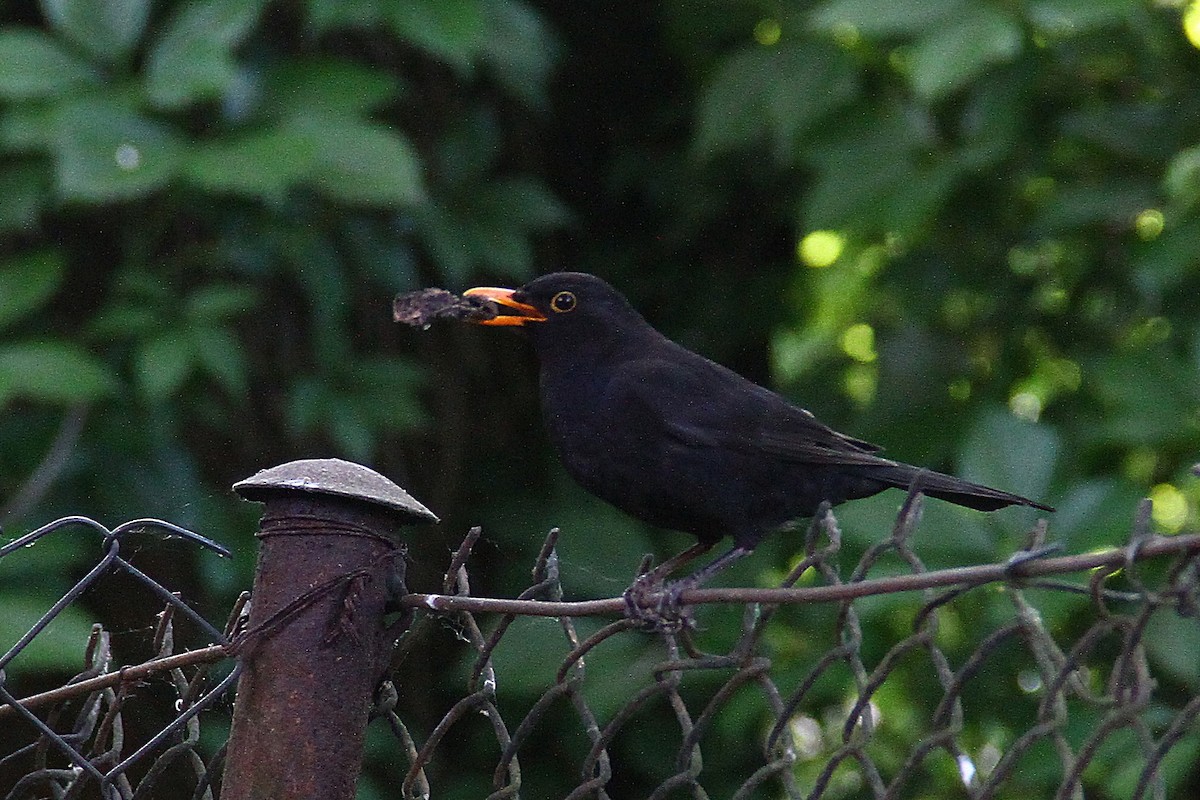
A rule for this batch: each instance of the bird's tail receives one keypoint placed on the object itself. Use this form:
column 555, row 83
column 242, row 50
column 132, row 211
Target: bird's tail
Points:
column 953, row 490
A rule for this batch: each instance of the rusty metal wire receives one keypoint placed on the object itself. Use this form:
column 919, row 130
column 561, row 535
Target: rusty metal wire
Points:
column 823, row 715
column 980, row 685
column 85, row 744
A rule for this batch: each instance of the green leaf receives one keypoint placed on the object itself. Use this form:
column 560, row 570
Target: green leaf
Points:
column 34, row 65
column 326, row 87
column 1112, row 202
column 450, row 30
column 386, row 388
column 1172, row 641
column 1077, row 16
column 365, row 164
column 53, row 372
column 25, row 187
column 193, row 60
column 28, row 281
column 884, row 17
column 523, row 203
column 105, row 151
column 1148, row 399
column 219, row 302
column 309, row 401
column 58, row 648
column 950, row 56
column 1182, row 179
column 870, row 179
column 163, row 364
column 327, row 15
column 1136, row 129
column 26, row 127
column 1092, row 512
column 220, row 355
column 351, row 433
column 443, row 235
column 123, row 321
column 773, row 94
column 1167, row 263
column 107, row 29
column 261, row 165
column 520, row 49
column 1011, row 454
column 490, row 227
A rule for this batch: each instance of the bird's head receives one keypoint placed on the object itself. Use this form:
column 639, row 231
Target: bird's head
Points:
column 565, row 306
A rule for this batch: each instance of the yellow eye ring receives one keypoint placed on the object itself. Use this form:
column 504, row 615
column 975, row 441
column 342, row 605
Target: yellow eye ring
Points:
column 563, row 302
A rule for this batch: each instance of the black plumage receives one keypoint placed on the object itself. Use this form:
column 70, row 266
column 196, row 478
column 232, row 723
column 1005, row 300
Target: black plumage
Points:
column 681, row 442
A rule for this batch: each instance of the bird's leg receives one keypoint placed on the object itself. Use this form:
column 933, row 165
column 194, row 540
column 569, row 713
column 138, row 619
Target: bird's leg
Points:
column 678, row 560
column 665, row 614
column 651, row 580
column 709, row 570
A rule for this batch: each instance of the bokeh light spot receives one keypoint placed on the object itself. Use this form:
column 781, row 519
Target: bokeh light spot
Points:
column 820, row 248
column 959, row 389
column 127, row 157
column 767, row 32
column 1029, row 681
column 846, row 35
column 859, row 383
column 1191, row 23
column 858, row 342
column 1170, row 507
column 1026, row 406
column 1149, row 224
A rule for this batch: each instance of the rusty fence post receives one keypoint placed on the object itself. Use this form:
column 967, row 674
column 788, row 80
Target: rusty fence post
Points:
column 329, row 560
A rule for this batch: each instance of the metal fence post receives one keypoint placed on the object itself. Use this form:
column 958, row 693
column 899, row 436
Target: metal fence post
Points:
column 328, row 562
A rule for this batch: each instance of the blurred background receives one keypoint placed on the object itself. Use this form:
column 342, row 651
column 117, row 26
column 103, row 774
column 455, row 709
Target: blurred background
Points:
column 967, row 230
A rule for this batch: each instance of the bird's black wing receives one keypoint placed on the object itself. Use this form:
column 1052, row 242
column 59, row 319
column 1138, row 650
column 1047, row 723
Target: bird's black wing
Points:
column 699, row 403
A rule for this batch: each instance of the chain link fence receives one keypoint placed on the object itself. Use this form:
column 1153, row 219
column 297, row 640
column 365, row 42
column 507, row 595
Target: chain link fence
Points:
column 90, row 736
column 794, row 701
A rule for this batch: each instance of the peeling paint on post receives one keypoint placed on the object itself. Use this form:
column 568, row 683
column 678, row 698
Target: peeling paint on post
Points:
column 329, row 561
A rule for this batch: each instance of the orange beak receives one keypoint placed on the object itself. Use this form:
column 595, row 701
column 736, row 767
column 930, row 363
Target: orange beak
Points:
column 504, row 297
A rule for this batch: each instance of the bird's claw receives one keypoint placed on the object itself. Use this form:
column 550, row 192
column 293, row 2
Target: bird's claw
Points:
column 1012, row 567
column 656, row 606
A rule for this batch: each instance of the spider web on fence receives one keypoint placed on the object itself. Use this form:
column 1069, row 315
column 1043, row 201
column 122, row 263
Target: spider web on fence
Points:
column 91, row 740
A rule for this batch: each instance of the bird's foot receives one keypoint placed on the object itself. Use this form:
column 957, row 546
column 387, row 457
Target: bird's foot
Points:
column 656, row 606
column 1014, row 567
column 1016, row 561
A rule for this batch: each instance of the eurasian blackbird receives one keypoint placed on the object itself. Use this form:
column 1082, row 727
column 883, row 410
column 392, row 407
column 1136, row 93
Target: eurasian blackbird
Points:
column 683, row 443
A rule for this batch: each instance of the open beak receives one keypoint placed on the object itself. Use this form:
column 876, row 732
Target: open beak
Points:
column 504, row 297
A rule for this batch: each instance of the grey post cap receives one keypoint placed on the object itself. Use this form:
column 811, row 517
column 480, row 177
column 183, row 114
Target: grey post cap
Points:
column 336, row 477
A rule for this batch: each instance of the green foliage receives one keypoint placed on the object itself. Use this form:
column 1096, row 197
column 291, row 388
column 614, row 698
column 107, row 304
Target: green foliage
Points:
column 773, row 95
column 28, row 281
column 452, row 31
column 193, row 59
column 57, row 649
column 107, row 29
column 52, row 372
column 33, row 65
column 206, row 205
column 104, row 150
column 960, row 49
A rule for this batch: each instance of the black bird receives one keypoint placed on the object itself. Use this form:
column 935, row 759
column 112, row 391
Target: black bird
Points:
column 683, row 443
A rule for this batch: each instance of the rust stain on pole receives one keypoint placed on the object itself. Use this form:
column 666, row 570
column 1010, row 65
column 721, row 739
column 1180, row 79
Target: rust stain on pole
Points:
column 328, row 563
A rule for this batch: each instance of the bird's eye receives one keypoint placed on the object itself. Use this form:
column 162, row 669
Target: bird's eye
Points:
column 563, row 301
